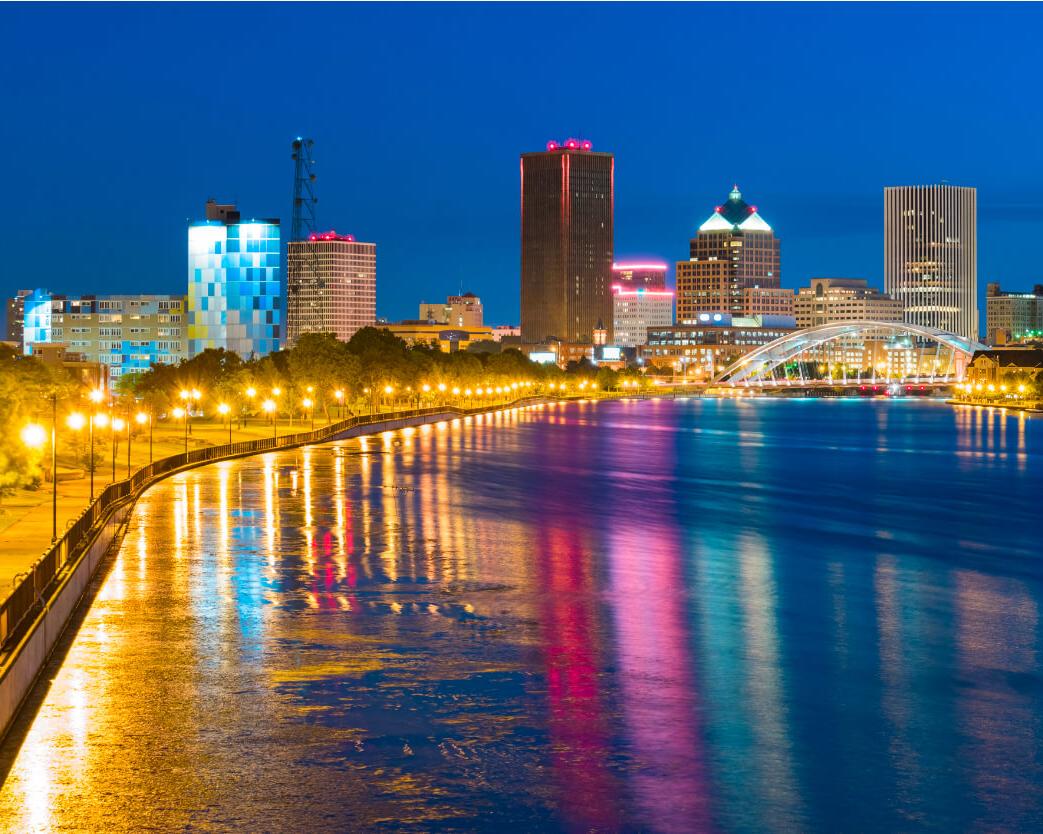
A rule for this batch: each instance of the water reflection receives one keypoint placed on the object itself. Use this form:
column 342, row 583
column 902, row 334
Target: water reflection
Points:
column 649, row 616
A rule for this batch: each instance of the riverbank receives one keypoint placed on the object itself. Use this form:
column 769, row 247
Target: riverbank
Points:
column 36, row 613
column 1027, row 407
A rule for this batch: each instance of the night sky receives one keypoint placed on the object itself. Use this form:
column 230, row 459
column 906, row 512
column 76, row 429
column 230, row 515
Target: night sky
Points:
column 117, row 123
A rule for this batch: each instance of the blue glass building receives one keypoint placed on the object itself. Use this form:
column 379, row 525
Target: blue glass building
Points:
column 234, row 290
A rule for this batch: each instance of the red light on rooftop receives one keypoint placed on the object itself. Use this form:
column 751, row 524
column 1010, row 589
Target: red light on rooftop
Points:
column 717, row 209
column 587, row 146
column 552, row 146
column 753, row 209
column 572, row 143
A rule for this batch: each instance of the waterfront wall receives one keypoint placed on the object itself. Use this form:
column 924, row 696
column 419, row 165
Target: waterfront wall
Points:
column 75, row 558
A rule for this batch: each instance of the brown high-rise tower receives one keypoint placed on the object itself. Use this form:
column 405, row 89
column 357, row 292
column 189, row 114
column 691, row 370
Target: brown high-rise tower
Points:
column 566, row 248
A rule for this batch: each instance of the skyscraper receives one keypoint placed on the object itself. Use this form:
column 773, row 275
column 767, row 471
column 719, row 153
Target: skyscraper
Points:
column 931, row 255
column 734, row 266
column 234, row 299
column 566, row 242
column 331, row 285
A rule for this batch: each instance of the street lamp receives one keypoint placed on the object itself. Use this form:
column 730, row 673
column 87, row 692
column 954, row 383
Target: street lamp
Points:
column 338, row 395
column 141, row 417
column 116, row 426
column 225, row 410
column 34, row 436
column 308, row 403
column 180, row 413
column 268, row 406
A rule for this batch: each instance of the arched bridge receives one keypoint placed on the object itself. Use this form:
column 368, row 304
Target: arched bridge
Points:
column 854, row 351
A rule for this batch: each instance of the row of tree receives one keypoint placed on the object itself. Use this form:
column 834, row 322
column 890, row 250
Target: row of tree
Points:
column 364, row 368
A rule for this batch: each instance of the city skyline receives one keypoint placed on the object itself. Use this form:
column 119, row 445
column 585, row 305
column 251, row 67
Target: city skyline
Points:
column 668, row 168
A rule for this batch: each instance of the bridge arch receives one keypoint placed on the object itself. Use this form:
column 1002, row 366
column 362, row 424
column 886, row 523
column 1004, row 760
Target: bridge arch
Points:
column 761, row 364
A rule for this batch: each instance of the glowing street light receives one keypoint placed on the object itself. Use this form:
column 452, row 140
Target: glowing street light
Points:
column 309, row 404
column 142, row 418
column 269, row 407
column 225, row 410
column 35, row 436
column 116, row 425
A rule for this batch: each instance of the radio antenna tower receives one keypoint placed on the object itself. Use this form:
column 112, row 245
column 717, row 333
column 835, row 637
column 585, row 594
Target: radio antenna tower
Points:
column 304, row 283
column 304, row 198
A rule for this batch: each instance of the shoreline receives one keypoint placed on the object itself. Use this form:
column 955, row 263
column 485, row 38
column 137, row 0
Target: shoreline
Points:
column 34, row 617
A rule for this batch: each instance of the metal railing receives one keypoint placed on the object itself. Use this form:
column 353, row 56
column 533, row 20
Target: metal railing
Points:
column 34, row 587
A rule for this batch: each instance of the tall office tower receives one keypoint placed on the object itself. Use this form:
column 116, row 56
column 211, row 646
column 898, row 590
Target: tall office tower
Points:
column 829, row 300
column 566, row 242
column 331, row 285
column 733, row 266
column 931, row 255
column 234, row 299
column 633, row 276
column 1013, row 316
column 15, row 316
column 458, row 311
column 126, row 333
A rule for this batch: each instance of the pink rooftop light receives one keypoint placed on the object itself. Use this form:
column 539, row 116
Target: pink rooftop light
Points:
column 571, row 144
column 330, row 235
column 619, row 267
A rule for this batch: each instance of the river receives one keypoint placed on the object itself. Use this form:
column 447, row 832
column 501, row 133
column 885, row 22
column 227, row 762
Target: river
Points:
column 731, row 615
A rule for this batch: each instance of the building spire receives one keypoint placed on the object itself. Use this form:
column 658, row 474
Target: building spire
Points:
column 735, row 193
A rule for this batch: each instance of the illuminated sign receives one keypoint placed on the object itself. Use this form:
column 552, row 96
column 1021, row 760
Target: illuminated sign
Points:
column 544, row 357
column 611, row 353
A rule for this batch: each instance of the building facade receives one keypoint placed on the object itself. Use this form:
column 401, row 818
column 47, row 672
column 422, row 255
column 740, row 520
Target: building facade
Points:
column 331, row 286
column 701, row 350
column 1013, row 316
column 458, row 311
column 566, row 241
column 508, row 332
column 635, row 309
column 828, row 300
column 650, row 276
column 234, row 291
column 931, row 255
column 734, row 266
column 126, row 333
column 15, row 309
column 445, row 337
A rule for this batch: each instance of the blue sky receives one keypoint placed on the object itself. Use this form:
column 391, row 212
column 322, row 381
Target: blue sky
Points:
column 118, row 121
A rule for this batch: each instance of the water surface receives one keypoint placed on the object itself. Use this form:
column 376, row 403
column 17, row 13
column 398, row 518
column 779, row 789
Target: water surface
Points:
column 659, row 616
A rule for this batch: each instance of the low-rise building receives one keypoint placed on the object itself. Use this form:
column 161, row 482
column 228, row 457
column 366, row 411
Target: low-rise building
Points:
column 703, row 349
column 830, row 300
column 635, row 309
column 445, row 337
column 458, row 311
column 127, row 333
column 1013, row 316
column 1005, row 365
column 510, row 332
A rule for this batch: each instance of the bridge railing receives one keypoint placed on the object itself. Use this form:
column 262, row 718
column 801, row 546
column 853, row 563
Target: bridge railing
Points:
column 33, row 587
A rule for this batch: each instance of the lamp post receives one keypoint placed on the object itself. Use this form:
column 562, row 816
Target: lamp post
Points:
column 309, row 404
column 128, row 446
column 180, row 413
column 226, row 411
column 269, row 408
column 141, row 417
column 250, row 392
column 34, row 436
column 117, row 426
column 339, row 396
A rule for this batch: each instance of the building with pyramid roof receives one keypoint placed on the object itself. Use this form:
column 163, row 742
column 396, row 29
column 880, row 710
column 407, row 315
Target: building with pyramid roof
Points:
column 733, row 266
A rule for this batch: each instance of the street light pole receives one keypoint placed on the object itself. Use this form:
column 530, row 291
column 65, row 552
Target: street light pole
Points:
column 90, row 432
column 54, row 466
